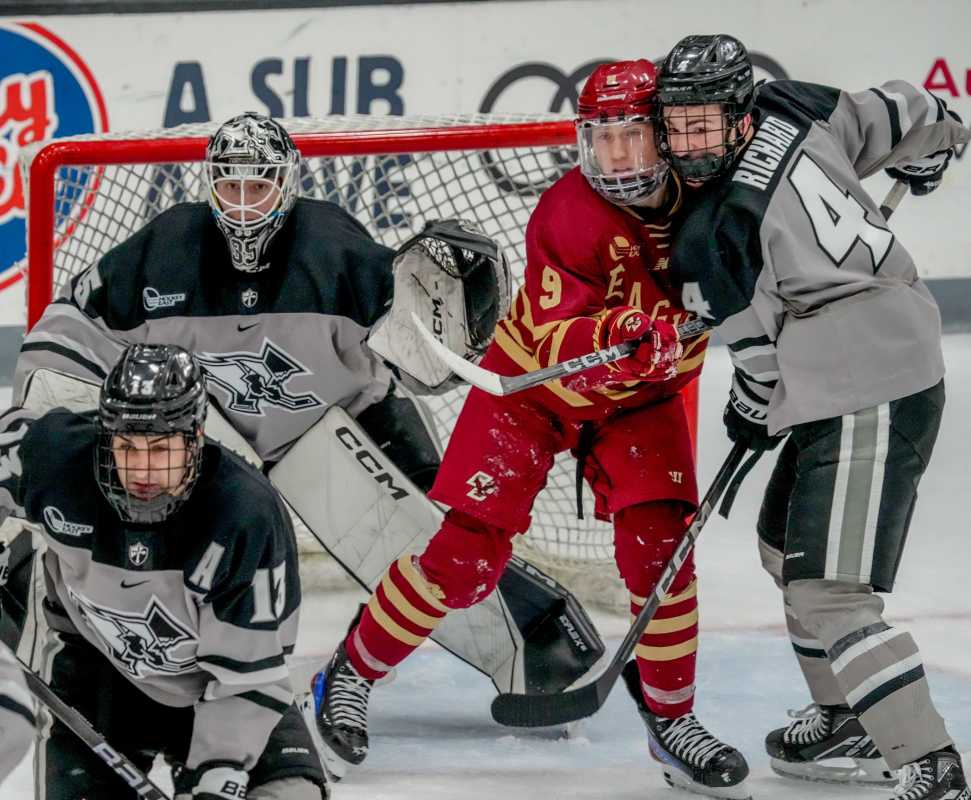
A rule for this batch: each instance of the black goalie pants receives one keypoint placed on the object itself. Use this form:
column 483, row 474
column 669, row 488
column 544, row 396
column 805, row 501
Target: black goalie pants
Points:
column 66, row 769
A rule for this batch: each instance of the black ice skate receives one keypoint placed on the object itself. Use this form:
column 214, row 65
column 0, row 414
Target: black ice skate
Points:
column 691, row 757
column 340, row 700
column 827, row 743
column 937, row 776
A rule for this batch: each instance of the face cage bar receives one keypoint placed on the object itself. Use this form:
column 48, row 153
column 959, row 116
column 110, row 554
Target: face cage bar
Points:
column 43, row 169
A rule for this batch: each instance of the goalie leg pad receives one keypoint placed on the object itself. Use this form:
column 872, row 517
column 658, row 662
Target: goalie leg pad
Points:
column 367, row 515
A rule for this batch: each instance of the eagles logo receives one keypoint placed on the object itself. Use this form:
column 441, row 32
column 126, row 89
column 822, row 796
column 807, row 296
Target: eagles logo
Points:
column 255, row 380
column 153, row 642
column 621, row 248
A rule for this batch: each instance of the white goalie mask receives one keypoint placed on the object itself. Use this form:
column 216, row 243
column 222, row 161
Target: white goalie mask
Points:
column 456, row 280
column 252, row 167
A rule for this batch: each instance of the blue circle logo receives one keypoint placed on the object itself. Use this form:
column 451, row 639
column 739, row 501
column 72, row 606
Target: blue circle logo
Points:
column 46, row 91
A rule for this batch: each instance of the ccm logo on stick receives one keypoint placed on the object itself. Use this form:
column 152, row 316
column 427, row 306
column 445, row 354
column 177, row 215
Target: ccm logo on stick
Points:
column 368, row 460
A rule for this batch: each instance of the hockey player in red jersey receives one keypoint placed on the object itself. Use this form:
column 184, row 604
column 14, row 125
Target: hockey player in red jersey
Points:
column 596, row 275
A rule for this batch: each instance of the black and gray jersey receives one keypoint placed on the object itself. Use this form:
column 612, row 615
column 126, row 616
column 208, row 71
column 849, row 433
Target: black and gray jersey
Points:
column 820, row 304
column 277, row 346
column 198, row 610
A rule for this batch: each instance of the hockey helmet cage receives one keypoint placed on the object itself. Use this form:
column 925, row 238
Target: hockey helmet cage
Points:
column 703, row 70
column 153, row 391
column 615, row 136
column 252, row 170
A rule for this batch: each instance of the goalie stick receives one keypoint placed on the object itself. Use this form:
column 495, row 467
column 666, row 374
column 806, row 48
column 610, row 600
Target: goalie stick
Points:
column 139, row 782
column 541, row 710
column 501, row 385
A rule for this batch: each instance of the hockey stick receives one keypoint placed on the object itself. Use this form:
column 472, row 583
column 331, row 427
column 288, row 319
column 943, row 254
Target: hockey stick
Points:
column 540, row 710
column 501, row 385
column 125, row 769
column 494, row 383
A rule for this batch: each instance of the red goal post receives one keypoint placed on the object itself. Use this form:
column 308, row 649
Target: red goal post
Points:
column 88, row 193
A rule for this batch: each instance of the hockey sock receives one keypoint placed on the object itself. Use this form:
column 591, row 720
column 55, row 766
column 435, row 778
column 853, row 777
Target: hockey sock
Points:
column 400, row 615
column 666, row 653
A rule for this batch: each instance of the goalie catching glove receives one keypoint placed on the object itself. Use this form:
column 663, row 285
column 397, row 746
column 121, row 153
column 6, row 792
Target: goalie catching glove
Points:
column 456, row 280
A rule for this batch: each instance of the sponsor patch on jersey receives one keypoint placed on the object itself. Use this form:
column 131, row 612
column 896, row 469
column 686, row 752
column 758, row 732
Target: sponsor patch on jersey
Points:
column 621, row 247
column 153, row 299
column 151, row 642
column 55, row 520
column 46, row 91
column 253, row 381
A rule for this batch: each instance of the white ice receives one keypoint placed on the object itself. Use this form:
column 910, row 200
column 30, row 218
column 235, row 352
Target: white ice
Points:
column 433, row 738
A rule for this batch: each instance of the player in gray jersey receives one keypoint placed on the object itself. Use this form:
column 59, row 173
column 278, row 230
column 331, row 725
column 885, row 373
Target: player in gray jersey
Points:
column 836, row 344
column 173, row 591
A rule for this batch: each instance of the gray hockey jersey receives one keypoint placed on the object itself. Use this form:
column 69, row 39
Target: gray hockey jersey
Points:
column 198, row 610
column 277, row 346
column 819, row 302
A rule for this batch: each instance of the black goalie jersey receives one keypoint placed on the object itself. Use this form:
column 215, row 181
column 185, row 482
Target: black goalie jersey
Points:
column 277, row 346
column 199, row 610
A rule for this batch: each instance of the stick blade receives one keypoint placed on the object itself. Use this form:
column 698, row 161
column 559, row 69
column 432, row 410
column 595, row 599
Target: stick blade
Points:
column 478, row 377
column 543, row 710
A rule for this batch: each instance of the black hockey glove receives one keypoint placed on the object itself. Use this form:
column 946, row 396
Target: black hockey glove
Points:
column 923, row 174
column 213, row 780
column 751, row 434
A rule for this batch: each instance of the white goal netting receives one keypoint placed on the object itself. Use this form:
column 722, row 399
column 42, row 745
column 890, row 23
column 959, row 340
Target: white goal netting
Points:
column 393, row 174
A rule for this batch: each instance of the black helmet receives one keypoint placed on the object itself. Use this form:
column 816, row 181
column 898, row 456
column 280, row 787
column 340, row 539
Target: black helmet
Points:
column 700, row 70
column 153, row 391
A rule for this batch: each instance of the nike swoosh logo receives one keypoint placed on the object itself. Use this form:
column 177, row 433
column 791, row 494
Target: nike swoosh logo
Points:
column 242, row 328
column 131, row 585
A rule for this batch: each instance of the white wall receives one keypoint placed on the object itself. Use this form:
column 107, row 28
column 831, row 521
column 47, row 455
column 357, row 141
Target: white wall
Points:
column 161, row 69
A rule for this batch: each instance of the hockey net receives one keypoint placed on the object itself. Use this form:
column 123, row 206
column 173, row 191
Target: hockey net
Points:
column 87, row 194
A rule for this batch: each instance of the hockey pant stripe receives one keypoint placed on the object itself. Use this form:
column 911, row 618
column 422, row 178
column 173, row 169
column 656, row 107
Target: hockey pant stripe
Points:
column 864, row 442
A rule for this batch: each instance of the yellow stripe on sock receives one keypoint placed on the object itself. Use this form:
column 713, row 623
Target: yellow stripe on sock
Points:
column 668, row 653
column 400, row 602
column 391, row 627
column 419, row 584
column 673, row 624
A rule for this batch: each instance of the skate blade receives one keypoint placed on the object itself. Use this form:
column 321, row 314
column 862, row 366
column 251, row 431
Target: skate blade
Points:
column 333, row 765
column 864, row 772
column 675, row 777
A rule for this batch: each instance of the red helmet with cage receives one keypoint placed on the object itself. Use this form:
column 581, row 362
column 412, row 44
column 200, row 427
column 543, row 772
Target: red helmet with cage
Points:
column 615, row 134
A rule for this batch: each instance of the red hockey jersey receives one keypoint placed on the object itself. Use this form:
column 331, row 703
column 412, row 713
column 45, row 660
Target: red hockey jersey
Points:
column 584, row 256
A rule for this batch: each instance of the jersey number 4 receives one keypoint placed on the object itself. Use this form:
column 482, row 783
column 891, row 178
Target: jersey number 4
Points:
column 838, row 218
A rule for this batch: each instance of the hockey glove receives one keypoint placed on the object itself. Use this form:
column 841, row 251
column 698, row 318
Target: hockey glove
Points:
column 923, row 174
column 657, row 356
column 753, row 435
column 214, row 780
column 4, row 563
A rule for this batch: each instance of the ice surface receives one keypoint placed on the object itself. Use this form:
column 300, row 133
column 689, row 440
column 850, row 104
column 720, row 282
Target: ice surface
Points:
column 432, row 737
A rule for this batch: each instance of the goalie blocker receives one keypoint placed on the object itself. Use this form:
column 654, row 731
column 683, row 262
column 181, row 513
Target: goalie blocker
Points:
column 531, row 636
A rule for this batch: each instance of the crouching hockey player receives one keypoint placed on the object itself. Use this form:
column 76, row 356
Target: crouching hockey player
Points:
column 596, row 275
column 173, row 592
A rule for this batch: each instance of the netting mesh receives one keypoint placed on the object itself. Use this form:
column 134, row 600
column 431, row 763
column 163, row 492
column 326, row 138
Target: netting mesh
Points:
column 392, row 194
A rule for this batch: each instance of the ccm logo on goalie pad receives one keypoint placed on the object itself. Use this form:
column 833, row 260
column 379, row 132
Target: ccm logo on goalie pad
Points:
column 369, row 461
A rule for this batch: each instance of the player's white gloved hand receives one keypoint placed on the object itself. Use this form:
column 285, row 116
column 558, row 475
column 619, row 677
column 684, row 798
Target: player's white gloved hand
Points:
column 212, row 781
column 923, row 175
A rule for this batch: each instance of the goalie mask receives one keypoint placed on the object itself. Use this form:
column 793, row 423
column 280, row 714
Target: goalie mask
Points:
column 615, row 132
column 150, row 420
column 252, row 170
column 456, row 280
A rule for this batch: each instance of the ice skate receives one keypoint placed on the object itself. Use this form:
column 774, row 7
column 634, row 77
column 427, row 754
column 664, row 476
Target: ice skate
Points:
column 691, row 757
column 827, row 743
column 339, row 703
column 936, row 776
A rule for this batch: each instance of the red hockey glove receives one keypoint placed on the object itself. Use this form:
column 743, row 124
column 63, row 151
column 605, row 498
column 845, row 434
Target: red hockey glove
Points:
column 657, row 357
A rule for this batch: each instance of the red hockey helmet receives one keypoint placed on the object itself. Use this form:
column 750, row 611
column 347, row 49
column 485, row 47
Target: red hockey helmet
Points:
column 615, row 133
